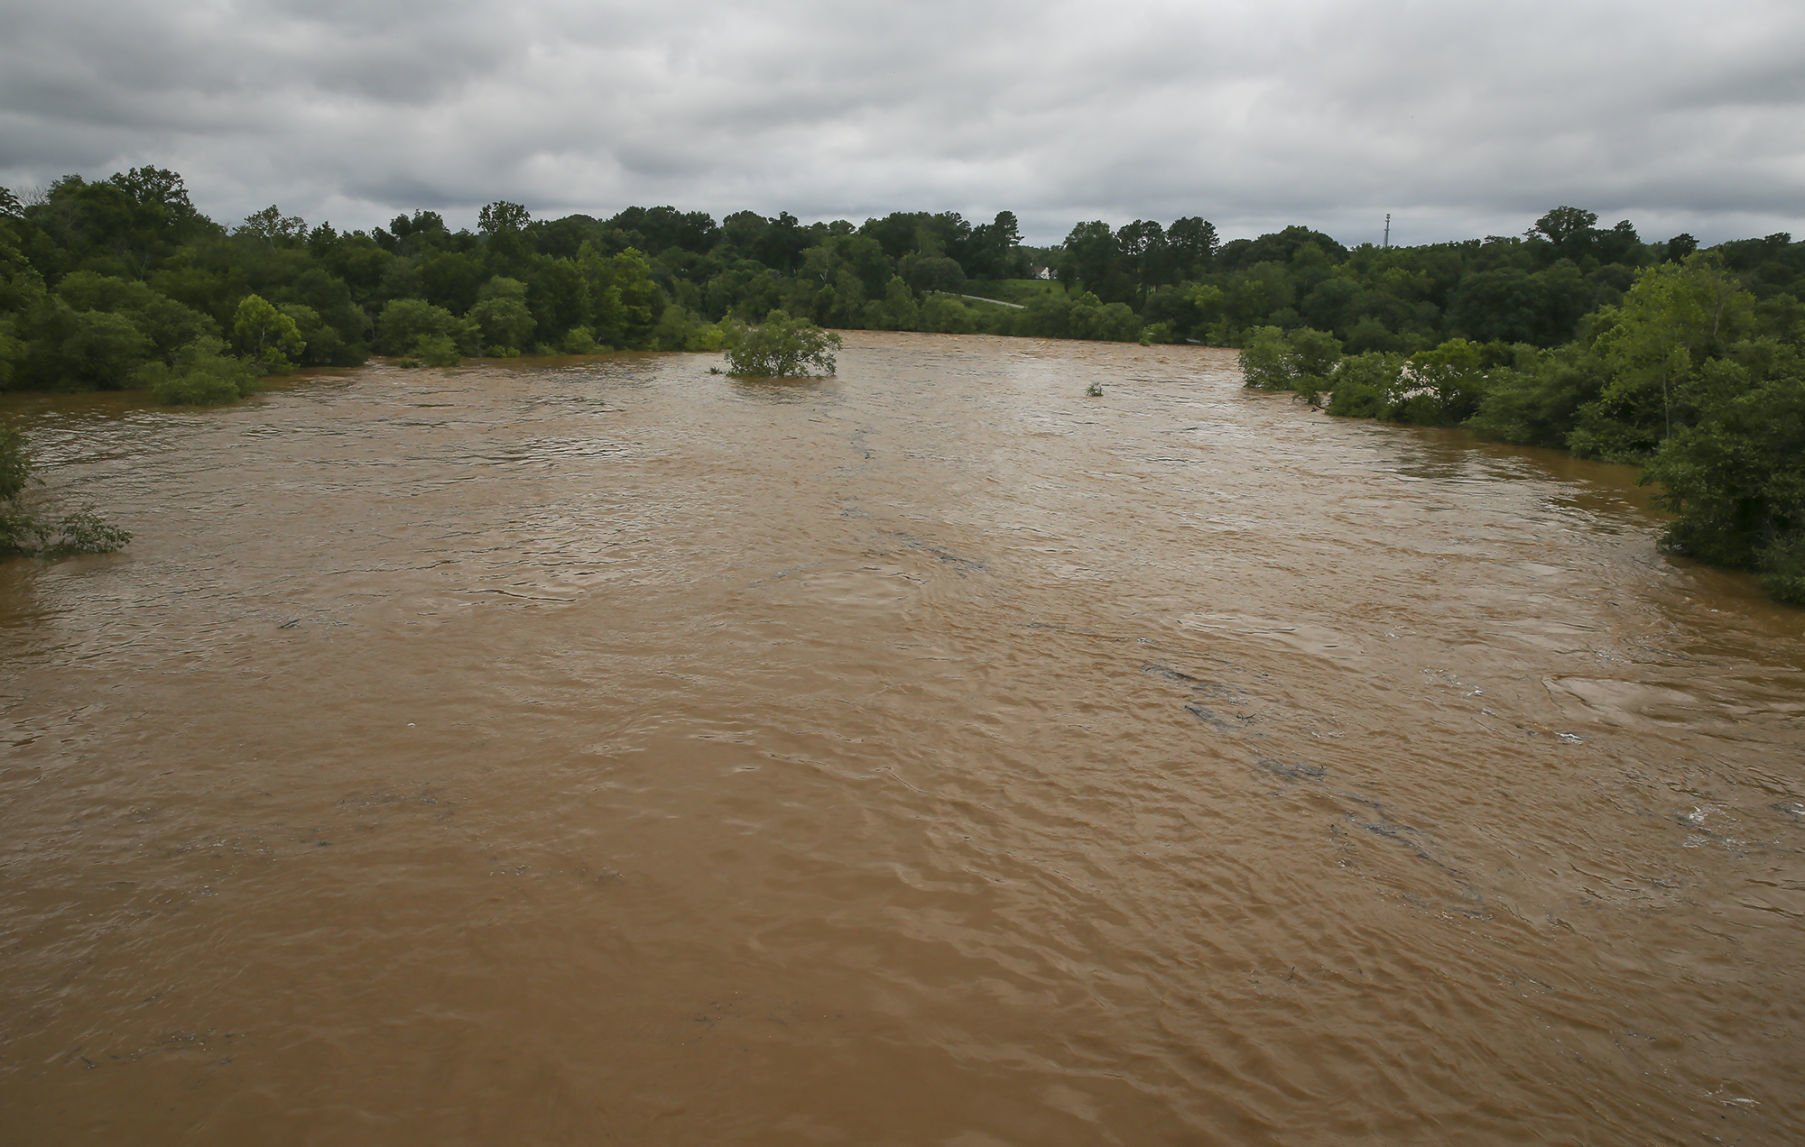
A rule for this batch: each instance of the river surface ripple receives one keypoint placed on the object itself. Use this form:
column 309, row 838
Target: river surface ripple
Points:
column 609, row 752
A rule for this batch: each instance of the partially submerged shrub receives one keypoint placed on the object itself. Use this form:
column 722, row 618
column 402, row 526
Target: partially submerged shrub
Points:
column 1782, row 567
column 433, row 350
column 781, row 347
column 1300, row 360
column 579, row 340
column 1362, row 382
column 23, row 532
column 202, row 375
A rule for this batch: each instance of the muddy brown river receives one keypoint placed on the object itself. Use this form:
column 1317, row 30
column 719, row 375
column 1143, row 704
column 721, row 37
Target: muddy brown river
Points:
column 609, row 752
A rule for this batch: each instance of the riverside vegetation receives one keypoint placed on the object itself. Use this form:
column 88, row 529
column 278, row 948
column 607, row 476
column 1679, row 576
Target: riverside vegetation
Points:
column 1690, row 374
column 1589, row 338
column 26, row 530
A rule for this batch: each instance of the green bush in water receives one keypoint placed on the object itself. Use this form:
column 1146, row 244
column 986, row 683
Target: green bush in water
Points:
column 23, row 532
column 433, row 350
column 202, row 375
column 781, row 347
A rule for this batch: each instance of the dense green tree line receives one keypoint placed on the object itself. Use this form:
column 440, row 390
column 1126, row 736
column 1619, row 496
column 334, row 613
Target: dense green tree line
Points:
column 121, row 282
column 1534, row 289
column 1571, row 335
column 1696, row 373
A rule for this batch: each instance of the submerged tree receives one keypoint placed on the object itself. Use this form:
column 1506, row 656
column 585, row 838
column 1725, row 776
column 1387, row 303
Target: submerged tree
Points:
column 1300, row 360
column 203, row 374
column 781, row 347
column 24, row 532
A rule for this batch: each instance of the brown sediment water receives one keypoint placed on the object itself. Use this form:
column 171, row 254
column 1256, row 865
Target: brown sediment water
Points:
column 610, row 752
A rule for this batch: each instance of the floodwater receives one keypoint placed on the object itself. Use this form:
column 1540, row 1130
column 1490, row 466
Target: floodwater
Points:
column 610, row 752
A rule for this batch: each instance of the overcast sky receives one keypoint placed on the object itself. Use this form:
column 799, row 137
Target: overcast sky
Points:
column 1460, row 119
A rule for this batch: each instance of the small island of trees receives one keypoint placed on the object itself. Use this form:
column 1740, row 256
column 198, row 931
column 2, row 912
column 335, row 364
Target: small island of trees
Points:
column 780, row 347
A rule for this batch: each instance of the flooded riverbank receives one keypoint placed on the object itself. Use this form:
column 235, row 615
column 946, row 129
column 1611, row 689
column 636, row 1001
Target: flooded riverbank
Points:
column 612, row 752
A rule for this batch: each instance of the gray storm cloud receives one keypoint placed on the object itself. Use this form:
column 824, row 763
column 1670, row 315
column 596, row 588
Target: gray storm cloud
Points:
column 1460, row 119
